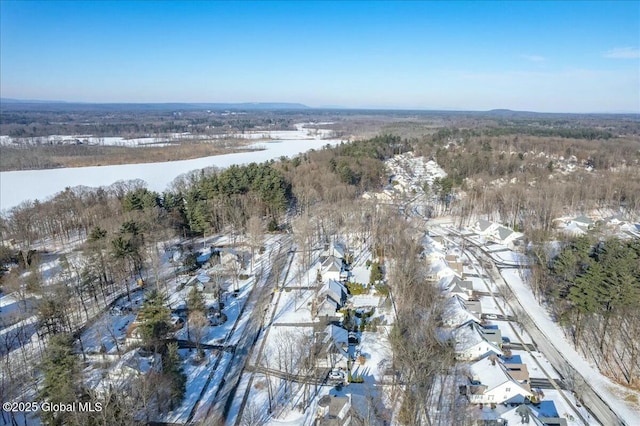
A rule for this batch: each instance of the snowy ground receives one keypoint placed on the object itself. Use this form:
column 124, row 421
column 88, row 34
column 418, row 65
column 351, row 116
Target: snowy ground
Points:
column 301, row 132
column 294, row 307
column 360, row 274
column 489, row 305
column 506, row 328
column 616, row 396
column 197, row 374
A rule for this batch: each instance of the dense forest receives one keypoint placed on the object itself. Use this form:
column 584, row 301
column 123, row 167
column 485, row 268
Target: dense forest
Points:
column 594, row 289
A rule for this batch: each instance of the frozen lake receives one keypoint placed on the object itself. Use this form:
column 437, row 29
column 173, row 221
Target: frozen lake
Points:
column 19, row 186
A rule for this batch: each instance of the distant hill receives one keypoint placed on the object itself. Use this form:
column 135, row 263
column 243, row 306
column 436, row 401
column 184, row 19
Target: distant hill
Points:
column 20, row 104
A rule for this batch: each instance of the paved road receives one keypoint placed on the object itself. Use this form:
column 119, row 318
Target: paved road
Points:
column 255, row 307
column 573, row 378
column 486, row 263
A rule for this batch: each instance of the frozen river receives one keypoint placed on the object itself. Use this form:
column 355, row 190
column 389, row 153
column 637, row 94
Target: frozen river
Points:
column 19, row 186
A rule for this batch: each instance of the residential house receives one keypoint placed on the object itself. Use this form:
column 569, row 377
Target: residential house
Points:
column 631, row 229
column 330, row 298
column 507, row 237
column 455, row 314
column 334, row 249
column 484, row 227
column 473, row 306
column 498, row 234
column 543, row 414
column 227, row 257
column 614, row 221
column 463, row 289
column 335, row 350
column 518, row 372
column 132, row 364
column 454, row 263
column 491, row 383
column 326, row 308
column 335, row 291
column 582, row 221
column 331, row 268
column 334, row 410
column 471, row 344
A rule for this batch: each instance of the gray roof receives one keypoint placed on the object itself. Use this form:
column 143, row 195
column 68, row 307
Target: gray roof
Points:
column 483, row 225
column 583, row 219
column 335, row 291
column 504, row 232
column 332, row 263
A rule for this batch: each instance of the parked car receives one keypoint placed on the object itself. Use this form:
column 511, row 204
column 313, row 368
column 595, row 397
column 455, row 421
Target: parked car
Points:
column 336, row 375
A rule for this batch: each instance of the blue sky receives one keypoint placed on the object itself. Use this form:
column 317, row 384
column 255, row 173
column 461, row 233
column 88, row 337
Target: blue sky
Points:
column 540, row 56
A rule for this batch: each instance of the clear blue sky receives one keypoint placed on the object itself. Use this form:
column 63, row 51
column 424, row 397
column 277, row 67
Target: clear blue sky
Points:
column 541, row 56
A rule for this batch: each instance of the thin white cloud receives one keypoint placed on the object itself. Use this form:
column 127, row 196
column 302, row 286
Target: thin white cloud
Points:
column 623, row 53
column 534, row 58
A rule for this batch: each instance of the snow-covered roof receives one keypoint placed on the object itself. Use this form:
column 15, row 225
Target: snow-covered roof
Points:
column 203, row 257
column 493, row 373
column 338, row 337
column 328, row 305
column 203, row 278
column 575, row 229
column 455, row 314
column 467, row 336
column 335, row 290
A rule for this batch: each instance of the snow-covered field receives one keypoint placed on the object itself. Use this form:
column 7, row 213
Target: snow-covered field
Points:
column 19, row 186
column 301, row 132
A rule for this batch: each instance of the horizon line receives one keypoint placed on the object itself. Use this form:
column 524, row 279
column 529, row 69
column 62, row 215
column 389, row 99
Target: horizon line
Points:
column 305, row 106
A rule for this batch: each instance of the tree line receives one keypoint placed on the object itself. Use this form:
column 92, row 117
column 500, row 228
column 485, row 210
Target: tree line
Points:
column 593, row 287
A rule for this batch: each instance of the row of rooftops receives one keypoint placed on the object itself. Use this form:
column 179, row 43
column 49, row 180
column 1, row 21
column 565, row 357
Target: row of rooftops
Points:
column 495, row 375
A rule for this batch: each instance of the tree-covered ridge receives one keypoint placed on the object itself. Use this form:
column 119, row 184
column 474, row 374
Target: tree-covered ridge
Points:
column 570, row 133
column 597, row 296
column 212, row 201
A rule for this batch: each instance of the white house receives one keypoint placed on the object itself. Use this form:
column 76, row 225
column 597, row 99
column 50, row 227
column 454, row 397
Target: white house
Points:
column 505, row 236
column 497, row 233
column 458, row 287
column 455, row 314
column 492, row 384
column 335, row 291
column 336, row 348
column 471, row 344
column 327, row 308
column 582, row 221
column 131, row 364
column 484, row 227
column 331, row 268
